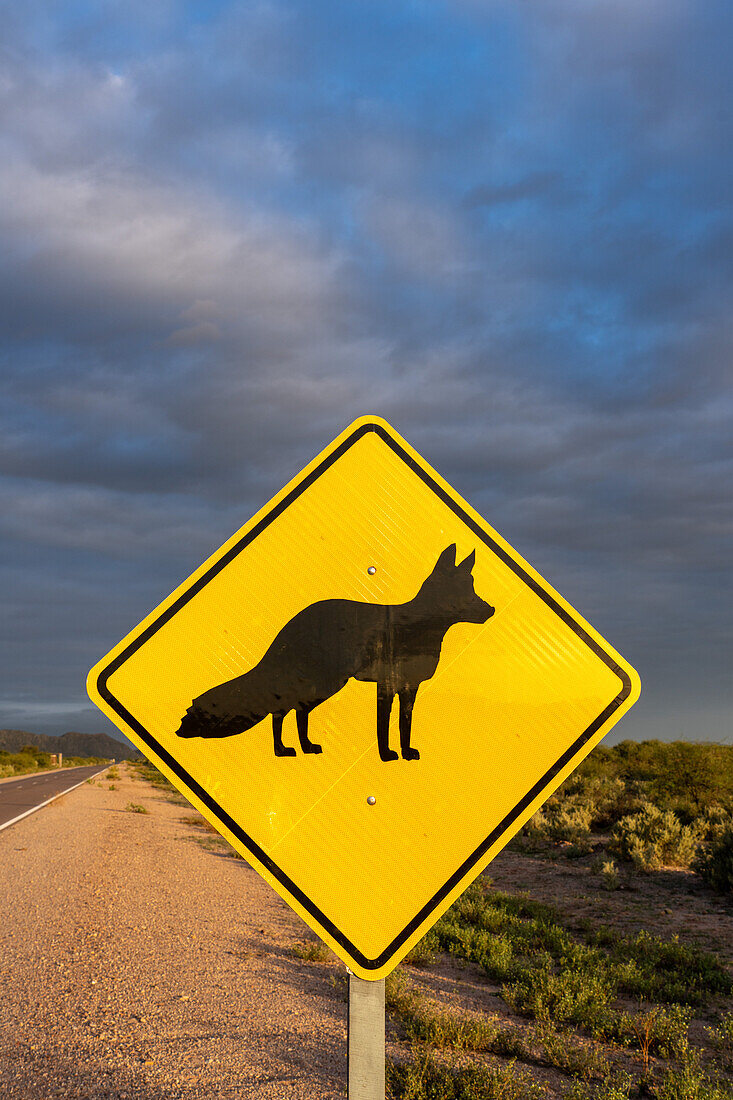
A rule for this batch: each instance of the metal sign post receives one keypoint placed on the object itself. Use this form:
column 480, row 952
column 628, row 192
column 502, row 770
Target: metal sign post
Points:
column 365, row 1039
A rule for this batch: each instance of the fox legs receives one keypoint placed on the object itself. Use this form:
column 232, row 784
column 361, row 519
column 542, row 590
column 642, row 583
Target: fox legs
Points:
column 277, row 733
column 306, row 745
column 385, row 698
column 407, row 702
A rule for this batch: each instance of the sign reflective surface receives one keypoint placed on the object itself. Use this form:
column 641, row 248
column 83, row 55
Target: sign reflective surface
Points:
column 367, row 691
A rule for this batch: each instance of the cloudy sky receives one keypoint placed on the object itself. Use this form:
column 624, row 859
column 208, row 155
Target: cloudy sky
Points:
column 228, row 228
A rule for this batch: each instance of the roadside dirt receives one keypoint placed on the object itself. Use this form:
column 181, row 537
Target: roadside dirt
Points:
column 665, row 903
column 141, row 961
column 137, row 963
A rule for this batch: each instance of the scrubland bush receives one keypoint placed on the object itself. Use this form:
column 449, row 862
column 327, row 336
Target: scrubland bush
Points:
column 690, row 1083
column 616, row 1086
column 686, row 776
column 424, row 951
column 722, row 1039
column 29, row 759
column 609, row 874
column 607, row 798
column 567, row 819
column 559, row 999
column 714, row 860
column 693, row 781
column 428, row 1078
column 654, row 838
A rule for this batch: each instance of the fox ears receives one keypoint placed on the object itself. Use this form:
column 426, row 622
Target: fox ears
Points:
column 447, row 560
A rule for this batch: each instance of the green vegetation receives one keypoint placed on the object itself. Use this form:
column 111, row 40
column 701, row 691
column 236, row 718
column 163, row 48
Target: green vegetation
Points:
column 581, row 1000
column 690, row 1082
column 722, row 1040
column 609, row 874
column 424, row 1077
column 424, row 1023
column 213, row 842
column 652, row 804
column 522, row 942
column 714, row 861
column 30, row 759
column 150, row 774
column 136, row 808
column 652, row 838
column 200, row 822
column 311, row 950
column 687, row 777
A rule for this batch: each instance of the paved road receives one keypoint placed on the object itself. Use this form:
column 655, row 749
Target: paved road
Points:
column 22, row 796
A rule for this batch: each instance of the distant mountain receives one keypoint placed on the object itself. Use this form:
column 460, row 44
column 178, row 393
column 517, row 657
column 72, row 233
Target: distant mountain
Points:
column 70, row 744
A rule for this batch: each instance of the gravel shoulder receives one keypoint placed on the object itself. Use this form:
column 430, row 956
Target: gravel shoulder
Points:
column 140, row 961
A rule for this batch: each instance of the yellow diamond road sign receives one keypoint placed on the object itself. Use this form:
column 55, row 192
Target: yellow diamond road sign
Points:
column 367, row 691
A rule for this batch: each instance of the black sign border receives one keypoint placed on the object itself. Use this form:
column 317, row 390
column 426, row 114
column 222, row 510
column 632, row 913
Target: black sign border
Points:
column 232, row 826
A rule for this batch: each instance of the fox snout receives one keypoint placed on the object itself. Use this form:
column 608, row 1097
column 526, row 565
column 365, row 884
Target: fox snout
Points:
column 481, row 610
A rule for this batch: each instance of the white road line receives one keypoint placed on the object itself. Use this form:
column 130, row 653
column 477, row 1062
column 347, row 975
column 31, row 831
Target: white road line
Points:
column 7, row 824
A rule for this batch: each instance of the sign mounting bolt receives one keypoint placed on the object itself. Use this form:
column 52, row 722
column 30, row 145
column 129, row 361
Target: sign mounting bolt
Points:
column 371, row 800
column 372, row 570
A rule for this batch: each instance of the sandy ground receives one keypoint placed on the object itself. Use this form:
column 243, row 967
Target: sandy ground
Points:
column 140, row 961
column 137, row 963
column 666, row 903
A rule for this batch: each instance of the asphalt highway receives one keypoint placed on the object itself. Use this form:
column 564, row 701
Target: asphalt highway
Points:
column 20, row 797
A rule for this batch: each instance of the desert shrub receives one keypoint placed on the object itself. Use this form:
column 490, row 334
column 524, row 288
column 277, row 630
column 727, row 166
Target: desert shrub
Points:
column 424, row 953
column 570, row 997
column 585, row 1061
column 311, row 950
column 487, row 949
column 609, row 798
column 660, row 1031
column 714, row 861
column 654, row 838
column 693, row 772
column 427, row 1078
column 616, row 1086
column 686, row 776
column 426, row 1023
column 666, row 970
column 136, row 808
column 721, row 1038
column 29, row 759
column 690, row 1083
column 42, row 759
column 486, row 928
column 562, row 819
column 609, row 874
column 150, row 774
column 82, row 761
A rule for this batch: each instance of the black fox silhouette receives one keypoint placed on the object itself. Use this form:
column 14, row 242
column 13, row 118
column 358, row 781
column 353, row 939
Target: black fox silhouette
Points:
column 397, row 646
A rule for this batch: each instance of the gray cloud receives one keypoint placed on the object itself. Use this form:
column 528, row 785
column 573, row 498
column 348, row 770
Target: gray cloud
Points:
column 508, row 233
